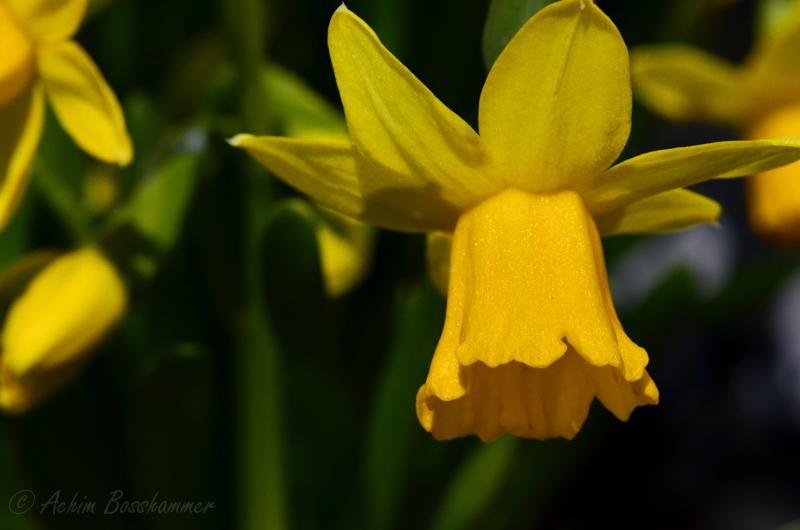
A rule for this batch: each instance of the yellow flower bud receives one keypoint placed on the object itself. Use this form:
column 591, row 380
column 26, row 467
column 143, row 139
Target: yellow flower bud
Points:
column 52, row 328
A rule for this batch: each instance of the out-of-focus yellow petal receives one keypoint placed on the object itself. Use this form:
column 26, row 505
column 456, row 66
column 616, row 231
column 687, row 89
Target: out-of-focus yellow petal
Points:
column 415, row 144
column 530, row 402
column 660, row 171
column 49, row 20
column 556, row 107
column 527, row 278
column 771, row 74
column 16, row 58
column 774, row 196
column 51, row 329
column 20, row 129
column 665, row 212
column 437, row 251
column 333, row 174
column 345, row 249
column 84, row 103
column 683, row 83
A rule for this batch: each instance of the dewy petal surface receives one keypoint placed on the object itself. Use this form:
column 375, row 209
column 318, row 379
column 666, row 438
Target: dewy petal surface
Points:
column 21, row 124
column 526, row 278
column 660, row 171
column 412, row 142
column 50, row 20
column 16, row 58
column 773, row 197
column 665, row 212
column 685, row 83
column 84, row 103
column 556, row 107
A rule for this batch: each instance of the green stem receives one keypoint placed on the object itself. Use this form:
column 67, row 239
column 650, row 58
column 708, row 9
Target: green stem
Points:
column 262, row 492
column 65, row 205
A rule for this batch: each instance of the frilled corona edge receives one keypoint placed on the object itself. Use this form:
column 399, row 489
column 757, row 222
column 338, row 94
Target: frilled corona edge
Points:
column 531, row 335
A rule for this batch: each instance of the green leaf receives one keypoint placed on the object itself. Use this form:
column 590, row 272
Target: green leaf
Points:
column 298, row 109
column 170, row 433
column 393, row 427
column 140, row 232
column 158, row 205
column 504, row 20
column 319, row 409
column 476, row 484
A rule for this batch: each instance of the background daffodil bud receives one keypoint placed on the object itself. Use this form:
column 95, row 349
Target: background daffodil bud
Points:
column 52, row 328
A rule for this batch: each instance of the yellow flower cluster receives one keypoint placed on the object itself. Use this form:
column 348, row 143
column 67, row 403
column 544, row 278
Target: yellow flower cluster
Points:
column 760, row 98
column 74, row 301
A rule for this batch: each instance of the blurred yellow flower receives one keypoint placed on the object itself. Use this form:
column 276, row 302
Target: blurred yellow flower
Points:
column 39, row 57
column 760, row 98
column 531, row 335
column 53, row 327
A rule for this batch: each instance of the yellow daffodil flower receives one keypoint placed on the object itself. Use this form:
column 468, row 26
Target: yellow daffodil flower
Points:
column 760, row 98
column 38, row 57
column 53, row 327
column 531, row 335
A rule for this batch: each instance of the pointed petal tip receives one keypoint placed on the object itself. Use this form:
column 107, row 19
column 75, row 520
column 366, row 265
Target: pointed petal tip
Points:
column 342, row 9
column 123, row 157
column 237, row 140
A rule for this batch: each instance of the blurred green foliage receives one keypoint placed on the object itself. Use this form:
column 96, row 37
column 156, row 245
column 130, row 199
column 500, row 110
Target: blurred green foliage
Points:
column 235, row 379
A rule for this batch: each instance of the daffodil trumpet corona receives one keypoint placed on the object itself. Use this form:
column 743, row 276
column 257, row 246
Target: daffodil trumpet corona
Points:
column 40, row 58
column 760, row 99
column 53, row 328
column 531, row 336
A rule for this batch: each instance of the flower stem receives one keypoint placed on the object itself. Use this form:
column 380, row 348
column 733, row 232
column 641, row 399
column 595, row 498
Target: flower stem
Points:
column 262, row 493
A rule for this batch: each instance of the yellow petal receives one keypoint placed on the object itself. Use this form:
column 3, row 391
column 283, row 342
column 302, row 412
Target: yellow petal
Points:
column 345, row 249
column 51, row 329
column 529, row 402
column 17, row 58
column 21, row 125
column 333, row 174
column 84, row 103
column 683, row 83
column 556, row 107
column 665, row 212
column 660, row 171
column 773, row 197
column 527, row 278
column 438, row 246
column 416, row 145
column 50, row 20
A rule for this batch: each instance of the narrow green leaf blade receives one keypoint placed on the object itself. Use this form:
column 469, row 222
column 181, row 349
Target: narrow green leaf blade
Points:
column 393, row 424
column 475, row 485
